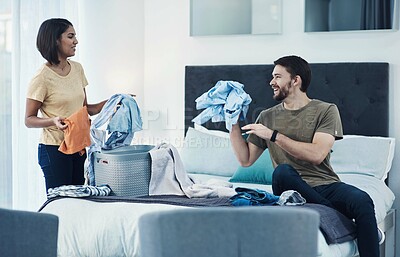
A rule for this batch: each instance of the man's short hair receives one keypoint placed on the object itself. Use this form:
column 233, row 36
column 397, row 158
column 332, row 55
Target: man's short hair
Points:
column 296, row 65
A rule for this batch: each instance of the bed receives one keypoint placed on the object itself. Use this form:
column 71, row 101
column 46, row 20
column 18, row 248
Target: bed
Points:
column 93, row 227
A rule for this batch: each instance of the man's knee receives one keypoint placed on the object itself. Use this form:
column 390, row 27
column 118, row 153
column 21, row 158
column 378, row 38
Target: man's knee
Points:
column 360, row 203
column 363, row 200
column 282, row 172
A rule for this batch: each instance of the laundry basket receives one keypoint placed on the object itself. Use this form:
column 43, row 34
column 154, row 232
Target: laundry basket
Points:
column 125, row 169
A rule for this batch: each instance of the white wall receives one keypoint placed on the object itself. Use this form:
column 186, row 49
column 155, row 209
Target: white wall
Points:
column 142, row 47
column 110, row 48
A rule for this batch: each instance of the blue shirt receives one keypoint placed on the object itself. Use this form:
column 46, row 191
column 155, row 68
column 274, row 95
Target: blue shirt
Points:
column 226, row 101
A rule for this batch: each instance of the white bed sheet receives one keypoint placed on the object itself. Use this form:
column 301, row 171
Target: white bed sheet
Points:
column 88, row 228
column 92, row 229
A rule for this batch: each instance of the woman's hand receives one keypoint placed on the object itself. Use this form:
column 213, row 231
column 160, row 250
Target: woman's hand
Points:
column 59, row 122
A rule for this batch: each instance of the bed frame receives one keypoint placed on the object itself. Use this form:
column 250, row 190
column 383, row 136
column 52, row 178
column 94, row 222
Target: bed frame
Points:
column 360, row 90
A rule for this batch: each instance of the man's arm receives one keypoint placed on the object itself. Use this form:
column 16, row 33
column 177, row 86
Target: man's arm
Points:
column 314, row 152
column 246, row 153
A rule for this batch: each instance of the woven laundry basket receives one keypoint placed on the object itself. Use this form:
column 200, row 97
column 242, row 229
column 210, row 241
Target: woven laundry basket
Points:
column 126, row 169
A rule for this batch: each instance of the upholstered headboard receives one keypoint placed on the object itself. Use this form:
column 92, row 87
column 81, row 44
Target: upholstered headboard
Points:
column 360, row 90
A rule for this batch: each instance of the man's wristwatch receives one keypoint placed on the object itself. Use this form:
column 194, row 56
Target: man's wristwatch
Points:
column 274, row 134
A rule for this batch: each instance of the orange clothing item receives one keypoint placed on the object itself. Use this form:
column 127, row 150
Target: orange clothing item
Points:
column 77, row 134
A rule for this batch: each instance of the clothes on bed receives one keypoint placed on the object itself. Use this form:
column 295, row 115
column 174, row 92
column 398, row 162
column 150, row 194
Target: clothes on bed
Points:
column 248, row 196
column 211, row 189
column 78, row 191
column 169, row 177
column 123, row 116
column 226, row 101
column 291, row 197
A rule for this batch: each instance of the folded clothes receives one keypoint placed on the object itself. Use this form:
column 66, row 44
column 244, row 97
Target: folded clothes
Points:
column 78, row 191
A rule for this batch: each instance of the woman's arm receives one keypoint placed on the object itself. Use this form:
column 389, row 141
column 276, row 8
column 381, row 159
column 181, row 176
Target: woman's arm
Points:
column 93, row 109
column 33, row 121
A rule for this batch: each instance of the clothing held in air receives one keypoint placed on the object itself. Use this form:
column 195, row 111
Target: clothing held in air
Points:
column 226, row 101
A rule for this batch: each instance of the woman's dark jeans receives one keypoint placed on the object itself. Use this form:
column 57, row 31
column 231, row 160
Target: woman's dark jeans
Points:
column 347, row 199
column 59, row 168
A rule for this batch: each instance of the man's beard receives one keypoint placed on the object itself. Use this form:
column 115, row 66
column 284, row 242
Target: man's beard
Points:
column 283, row 93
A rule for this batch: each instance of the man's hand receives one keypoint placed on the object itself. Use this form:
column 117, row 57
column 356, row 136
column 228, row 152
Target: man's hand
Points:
column 258, row 130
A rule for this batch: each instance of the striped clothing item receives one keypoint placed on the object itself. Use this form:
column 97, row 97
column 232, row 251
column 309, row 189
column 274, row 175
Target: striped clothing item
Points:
column 79, row 191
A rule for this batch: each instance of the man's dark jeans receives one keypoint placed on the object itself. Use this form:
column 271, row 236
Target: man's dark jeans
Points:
column 347, row 199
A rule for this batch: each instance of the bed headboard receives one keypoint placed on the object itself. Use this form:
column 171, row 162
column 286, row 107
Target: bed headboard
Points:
column 360, row 90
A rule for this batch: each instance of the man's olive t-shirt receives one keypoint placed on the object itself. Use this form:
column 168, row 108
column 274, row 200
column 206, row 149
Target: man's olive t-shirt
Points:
column 301, row 125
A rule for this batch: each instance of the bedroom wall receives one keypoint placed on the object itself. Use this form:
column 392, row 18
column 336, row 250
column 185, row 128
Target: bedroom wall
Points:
column 142, row 47
column 110, row 48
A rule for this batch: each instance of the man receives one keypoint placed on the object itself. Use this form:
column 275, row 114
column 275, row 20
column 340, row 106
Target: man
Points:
column 299, row 133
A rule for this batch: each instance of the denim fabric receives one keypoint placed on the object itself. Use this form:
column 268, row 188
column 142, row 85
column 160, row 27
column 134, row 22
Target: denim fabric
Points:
column 127, row 118
column 347, row 199
column 117, row 139
column 226, row 101
column 125, row 121
column 59, row 168
column 247, row 196
column 123, row 124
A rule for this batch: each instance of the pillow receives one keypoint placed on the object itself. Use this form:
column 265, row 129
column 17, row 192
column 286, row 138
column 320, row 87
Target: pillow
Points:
column 219, row 133
column 207, row 153
column 365, row 155
column 260, row 172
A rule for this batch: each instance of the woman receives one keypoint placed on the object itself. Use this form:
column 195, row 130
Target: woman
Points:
column 58, row 91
